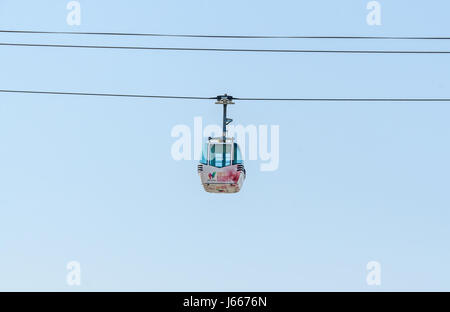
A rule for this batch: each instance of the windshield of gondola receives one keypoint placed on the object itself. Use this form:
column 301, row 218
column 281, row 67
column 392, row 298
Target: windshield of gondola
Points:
column 220, row 155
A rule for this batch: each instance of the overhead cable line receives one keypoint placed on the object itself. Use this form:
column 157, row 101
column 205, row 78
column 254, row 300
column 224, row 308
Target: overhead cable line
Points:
column 347, row 99
column 224, row 36
column 111, row 95
column 233, row 98
column 221, row 49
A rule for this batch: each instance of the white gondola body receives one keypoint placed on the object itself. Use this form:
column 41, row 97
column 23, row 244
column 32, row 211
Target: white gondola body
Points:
column 218, row 176
column 222, row 180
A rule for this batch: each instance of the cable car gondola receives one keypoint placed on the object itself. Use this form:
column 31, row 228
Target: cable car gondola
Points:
column 221, row 168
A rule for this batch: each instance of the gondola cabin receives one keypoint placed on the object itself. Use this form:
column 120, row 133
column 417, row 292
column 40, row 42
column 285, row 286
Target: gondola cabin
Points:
column 221, row 169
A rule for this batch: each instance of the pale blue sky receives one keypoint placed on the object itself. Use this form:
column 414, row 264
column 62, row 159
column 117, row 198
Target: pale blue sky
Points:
column 92, row 179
